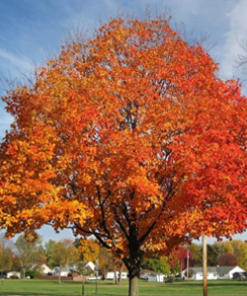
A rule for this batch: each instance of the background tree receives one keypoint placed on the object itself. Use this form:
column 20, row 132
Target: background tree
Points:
column 235, row 247
column 88, row 250
column 240, row 250
column 16, row 264
column 142, row 159
column 51, row 262
column 212, row 254
column 29, row 252
column 156, row 263
column 175, row 269
column 106, row 261
column 223, row 247
column 227, row 259
column 176, row 260
column 6, row 253
column 6, row 259
column 185, row 257
column 196, row 251
column 63, row 253
column 120, row 265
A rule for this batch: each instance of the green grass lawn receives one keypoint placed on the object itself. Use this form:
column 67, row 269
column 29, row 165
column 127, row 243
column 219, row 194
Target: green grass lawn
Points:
column 69, row 288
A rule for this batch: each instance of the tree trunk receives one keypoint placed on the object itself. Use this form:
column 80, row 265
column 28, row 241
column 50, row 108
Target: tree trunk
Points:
column 120, row 272
column 59, row 275
column 133, row 265
column 134, row 286
column 115, row 273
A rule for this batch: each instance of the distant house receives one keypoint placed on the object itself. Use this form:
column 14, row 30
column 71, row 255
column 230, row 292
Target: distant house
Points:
column 90, row 265
column 197, row 273
column 151, row 276
column 145, row 271
column 45, row 269
column 41, row 267
column 213, row 273
column 156, row 277
column 64, row 271
column 68, row 270
column 226, row 272
column 10, row 274
column 111, row 275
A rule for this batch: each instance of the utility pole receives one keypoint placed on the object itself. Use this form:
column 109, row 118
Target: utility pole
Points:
column 204, row 256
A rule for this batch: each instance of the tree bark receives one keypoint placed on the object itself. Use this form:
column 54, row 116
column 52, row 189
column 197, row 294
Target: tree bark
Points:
column 115, row 273
column 133, row 264
column 120, row 272
column 134, row 286
column 59, row 275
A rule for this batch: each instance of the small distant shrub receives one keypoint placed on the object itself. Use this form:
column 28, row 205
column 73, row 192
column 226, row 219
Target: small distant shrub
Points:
column 33, row 274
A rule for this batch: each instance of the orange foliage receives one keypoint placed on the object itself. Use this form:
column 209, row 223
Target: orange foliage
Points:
column 129, row 137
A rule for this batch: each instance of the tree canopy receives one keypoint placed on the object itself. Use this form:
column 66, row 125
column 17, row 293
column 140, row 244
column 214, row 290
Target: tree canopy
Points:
column 88, row 250
column 128, row 136
column 158, row 264
column 6, row 253
column 29, row 253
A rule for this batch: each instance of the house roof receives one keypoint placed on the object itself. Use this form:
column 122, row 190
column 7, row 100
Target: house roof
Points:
column 200, row 269
column 147, row 271
column 225, row 269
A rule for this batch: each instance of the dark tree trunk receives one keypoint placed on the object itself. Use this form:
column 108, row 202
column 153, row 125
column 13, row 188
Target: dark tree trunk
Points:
column 133, row 263
column 134, row 270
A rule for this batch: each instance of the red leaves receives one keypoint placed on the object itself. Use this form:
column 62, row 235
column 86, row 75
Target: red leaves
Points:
column 128, row 137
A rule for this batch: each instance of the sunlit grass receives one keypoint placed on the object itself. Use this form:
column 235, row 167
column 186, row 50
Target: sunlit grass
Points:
column 70, row 288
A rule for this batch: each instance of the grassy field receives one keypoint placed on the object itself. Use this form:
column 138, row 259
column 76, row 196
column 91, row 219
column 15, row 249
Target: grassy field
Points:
column 105, row 288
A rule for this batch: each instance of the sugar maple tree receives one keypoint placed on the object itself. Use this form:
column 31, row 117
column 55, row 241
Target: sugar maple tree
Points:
column 130, row 137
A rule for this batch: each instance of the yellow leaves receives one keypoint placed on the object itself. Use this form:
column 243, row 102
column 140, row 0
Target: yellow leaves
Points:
column 88, row 250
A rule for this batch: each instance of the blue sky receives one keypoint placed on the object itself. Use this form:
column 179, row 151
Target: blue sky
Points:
column 32, row 31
